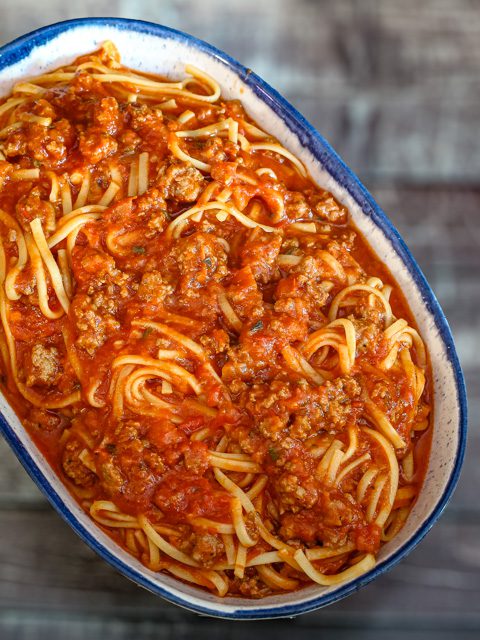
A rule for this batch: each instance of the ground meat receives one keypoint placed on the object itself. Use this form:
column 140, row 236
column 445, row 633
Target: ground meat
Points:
column 111, row 477
column 5, row 170
column 296, row 206
column 196, row 458
column 286, row 407
column 141, row 116
column 48, row 145
column 307, row 283
column 100, row 289
column 43, row 367
column 200, row 258
column 94, row 317
column 295, row 493
column 34, row 205
column 207, row 548
column 260, row 252
column 224, row 172
column 153, row 288
column 183, row 497
column 340, row 249
column 330, row 522
column 94, row 269
column 151, row 208
column 367, row 332
column 244, row 294
column 250, row 586
column 213, row 150
column 73, row 467
column 128, row 142
column 130, row 468
column 96, row 145
column 38, row 107
column 216, row 342
column 106, row 115
column 330, row 410
column 181, row 182
column 44, row 420
column 327, row 208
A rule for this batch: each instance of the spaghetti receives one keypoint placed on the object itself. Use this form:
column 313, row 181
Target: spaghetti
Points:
column 197, row 338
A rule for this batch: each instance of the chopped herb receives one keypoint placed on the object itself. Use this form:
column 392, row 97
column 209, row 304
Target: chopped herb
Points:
column 110, row 447
column 147, row 332
column 273, row 453
column 208, row 262
column 37, row 163
column 256, row 327
column 138, row 250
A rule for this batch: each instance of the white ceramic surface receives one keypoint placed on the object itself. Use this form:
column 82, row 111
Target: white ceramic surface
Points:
column 159, row 50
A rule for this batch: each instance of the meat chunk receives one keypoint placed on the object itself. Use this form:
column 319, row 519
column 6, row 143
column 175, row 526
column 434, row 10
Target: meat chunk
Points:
column 296, row 206
column 181, row 182
column 48, row 145
column 129, row 467
column 94, row 270
column 244, row 294
column 95, row 319
column 303, row 292
column 207, row 548
column 327, row 208
column 153, row 288
column 285, row 407
column 43, row 367
column 260, row 253
column 73, row 466
column 106, row 115
column 96, row 145
column 200, row 258
column 34, row 205
column 295, row 494
column 329, row 409
column 216, row 342
column 330, row 522
column 44, row 420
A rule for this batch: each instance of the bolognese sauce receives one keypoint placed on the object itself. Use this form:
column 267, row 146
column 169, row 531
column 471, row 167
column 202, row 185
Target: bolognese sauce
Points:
column 196, row 336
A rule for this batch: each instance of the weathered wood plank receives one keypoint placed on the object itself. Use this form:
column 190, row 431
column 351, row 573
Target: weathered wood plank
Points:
column 43, row 627
column 45, row 567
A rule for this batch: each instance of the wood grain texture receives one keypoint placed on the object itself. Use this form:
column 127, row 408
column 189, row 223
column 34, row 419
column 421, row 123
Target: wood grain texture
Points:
column 394, row 87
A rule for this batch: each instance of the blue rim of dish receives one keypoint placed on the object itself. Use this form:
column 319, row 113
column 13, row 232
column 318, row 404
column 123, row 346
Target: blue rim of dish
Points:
column 322, row 151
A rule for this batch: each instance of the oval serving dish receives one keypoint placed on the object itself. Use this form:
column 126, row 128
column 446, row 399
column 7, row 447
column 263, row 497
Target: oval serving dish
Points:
column 157, row 49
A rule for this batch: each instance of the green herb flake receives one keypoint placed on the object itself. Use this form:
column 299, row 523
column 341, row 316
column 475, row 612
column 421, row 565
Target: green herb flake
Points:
column 256, row 327
column 208, row 262
column 138, row 250
column 110, row 447
column 273, row 453
column 147, row 332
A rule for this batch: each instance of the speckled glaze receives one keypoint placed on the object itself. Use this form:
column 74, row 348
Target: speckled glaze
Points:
column 154, row 48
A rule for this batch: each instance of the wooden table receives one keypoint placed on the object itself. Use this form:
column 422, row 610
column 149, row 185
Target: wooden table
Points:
column 395, row 87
